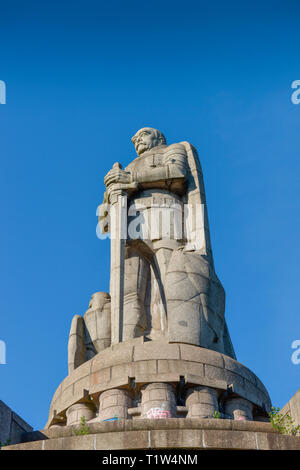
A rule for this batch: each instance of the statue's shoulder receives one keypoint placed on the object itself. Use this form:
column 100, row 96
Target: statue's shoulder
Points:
column 181, row 147
column 178, row 147
column 185, row 150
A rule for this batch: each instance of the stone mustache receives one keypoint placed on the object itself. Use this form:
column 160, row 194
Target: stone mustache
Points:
column 161, row 287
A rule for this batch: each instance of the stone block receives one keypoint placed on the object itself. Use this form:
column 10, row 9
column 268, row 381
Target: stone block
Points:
column 180, row 367
column 100, row 376
column 235, row 440
column 239, row 369
column 276, row 441
column 202, row 380
column 144, row 368
column 121, row 370
column 122, row 440
column 156, row 350
column 35, row 445
column 80, row 372
column 165, row 366
column 144, row 379
column 255, row 426
column 80, row 386
column 197, row 354
column 86, row 442
column 176, row 438
column 110, row 357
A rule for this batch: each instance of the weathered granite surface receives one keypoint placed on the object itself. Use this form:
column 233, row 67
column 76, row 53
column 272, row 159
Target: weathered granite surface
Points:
column 12, row 427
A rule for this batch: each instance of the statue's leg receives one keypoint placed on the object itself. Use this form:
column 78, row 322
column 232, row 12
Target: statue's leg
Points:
column 135, row 283
column 76, row 347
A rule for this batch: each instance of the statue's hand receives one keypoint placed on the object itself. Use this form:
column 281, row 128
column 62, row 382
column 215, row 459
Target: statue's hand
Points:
column 117, row 175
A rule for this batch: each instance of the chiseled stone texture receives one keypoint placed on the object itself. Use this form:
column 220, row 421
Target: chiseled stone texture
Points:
column 153, row 362
column 11, row 425
column 292, row 408
column 164, row 434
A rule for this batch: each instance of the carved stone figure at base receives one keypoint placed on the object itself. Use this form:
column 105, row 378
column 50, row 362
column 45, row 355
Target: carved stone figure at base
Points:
column 91, row 333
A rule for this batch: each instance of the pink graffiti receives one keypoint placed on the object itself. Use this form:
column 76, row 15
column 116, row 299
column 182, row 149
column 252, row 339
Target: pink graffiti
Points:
column 158, row 413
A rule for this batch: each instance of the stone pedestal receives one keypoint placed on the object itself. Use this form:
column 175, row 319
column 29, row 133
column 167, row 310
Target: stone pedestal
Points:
column 156, row 379
column 79, row 410
column 114, row 404
column 158, row 401
column 239, row 408
column 202, row 402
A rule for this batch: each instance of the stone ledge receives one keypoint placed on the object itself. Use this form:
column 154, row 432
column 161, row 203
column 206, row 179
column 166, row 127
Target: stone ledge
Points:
column 163, row 434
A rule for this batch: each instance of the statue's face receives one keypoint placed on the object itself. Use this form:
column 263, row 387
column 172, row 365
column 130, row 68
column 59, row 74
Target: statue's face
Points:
column 145, row 139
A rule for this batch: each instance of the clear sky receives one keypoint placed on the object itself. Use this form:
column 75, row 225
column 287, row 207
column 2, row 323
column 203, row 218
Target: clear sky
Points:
column 82, row 77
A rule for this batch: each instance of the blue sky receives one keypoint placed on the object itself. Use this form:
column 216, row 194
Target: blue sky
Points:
column 82, row 77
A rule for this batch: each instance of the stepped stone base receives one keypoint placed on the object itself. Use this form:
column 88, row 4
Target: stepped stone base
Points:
column 158, row 395
column 194, row 434
column 156, row 379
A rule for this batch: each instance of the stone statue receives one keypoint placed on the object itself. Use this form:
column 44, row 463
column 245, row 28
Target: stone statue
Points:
column 157, row 346
column 163, row 282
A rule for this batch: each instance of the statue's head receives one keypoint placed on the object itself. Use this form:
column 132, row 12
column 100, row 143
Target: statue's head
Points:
column 146, row 139
column 98, row 300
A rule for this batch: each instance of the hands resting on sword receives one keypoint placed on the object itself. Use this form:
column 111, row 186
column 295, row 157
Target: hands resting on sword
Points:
column 117, row 175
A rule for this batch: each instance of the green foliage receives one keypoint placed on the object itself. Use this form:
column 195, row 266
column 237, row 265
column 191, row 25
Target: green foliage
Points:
column 83, row 429
column 217, row 415
column 5, row 443
column 284, row 424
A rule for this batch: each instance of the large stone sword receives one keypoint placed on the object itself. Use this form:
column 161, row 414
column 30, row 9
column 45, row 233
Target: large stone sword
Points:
column 118, row 229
